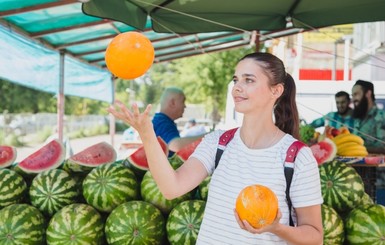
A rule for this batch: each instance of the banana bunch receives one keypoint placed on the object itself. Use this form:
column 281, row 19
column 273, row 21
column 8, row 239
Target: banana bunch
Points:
column 350, row 145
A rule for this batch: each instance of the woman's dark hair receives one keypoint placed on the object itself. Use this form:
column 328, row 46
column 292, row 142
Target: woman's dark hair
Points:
column 285, row 109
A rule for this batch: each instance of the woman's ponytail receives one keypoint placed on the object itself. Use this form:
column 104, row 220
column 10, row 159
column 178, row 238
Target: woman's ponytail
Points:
column 285, row 110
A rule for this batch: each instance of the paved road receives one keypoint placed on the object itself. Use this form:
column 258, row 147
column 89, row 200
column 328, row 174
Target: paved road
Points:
column 76, row 144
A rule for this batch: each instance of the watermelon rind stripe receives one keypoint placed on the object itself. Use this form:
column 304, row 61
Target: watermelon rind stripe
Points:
column 365, row 225
column 342, row 187
column 52, row 190
column 12, row 187
column 21, row 224
column 184, row 222
column 110, row 185
column 333, row 226
column 150, row 193
column 135, row 222
column 76, row 224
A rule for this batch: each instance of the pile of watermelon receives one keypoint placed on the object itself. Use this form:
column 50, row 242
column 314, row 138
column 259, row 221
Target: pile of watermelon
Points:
column 90, row 198
column 349, row 214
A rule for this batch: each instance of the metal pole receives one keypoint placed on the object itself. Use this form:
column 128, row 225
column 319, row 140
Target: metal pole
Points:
column 112, row 118
column 60, row 99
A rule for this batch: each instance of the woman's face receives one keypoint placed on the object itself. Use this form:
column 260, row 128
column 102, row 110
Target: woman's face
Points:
column 251, row 89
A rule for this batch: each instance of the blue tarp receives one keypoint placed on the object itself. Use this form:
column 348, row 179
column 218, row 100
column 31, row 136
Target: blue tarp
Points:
column 30, row 64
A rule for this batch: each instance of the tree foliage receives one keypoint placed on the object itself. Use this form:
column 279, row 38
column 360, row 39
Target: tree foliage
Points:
column 203, row 78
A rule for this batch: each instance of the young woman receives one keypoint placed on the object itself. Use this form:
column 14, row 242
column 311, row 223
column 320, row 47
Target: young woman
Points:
column 255, row 155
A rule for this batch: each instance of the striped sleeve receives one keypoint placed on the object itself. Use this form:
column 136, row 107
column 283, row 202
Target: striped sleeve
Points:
column 206, row 150
column 305, row 189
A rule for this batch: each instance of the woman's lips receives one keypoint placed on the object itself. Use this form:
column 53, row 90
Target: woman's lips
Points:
column 239, row 99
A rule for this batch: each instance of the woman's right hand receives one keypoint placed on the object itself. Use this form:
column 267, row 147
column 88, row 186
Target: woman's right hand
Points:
column 141, row 122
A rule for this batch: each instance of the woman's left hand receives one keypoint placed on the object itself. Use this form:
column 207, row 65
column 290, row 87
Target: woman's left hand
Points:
column 269, row 228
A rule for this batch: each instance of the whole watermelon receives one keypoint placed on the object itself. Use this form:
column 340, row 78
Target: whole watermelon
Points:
column 333, row 226
column 366, row 225
column 203, row 188
column 109, row 185
column 135, row 222
column 184, row 221
column 76, row 224
column 22, row 224
column 52, row 190
column 151, row 193
column 12, row 187
column 342, row 187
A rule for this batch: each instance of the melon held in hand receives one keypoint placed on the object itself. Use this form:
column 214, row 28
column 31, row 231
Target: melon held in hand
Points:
column 258, row 205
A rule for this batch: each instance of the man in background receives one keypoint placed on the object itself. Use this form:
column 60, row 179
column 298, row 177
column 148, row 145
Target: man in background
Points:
column 192, row 129
column 339, row 118
column 172, row 105
column 370, row 125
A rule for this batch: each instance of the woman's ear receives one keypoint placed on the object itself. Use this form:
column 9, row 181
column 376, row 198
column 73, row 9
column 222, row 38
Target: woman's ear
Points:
column 277, row 90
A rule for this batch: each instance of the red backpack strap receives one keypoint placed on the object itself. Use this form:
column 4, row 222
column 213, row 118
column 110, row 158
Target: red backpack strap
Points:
column 225, row 138
column 291, row 154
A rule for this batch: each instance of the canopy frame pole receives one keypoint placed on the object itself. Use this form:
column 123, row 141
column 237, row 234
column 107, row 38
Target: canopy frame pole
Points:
column 112, row 118
column 60, row 98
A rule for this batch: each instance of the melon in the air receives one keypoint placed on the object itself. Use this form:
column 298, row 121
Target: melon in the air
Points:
column 324, row 151
column 138, row 159
column 91, row 157
column 50, row 156
column 7, row 155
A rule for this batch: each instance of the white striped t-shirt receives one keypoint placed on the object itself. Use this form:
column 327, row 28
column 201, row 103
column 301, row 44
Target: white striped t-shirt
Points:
column 240, row 167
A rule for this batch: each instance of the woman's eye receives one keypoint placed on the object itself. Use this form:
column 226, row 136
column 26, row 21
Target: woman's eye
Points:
column 248, row 80
column 235, row 81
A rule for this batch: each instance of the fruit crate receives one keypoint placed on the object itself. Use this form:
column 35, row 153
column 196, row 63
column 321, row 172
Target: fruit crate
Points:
column 368, row 174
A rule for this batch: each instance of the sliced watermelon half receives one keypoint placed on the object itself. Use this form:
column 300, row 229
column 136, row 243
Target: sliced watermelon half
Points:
column 324, row 151
column 91, row 157
column 138, row 158
column 186, row 152
column 48, row 157
column 7, row 155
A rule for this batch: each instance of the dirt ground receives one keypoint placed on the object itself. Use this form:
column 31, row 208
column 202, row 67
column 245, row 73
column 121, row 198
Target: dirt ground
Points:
column 78, row 145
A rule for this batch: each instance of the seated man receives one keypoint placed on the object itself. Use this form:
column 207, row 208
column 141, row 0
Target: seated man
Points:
column 192, row 129
column 172, row 105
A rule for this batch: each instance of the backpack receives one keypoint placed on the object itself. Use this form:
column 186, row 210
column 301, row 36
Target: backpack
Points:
column 291, row 154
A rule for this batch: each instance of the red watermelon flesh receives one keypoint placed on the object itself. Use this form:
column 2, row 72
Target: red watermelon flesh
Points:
column 47, row 157
column 138, row 158
column 185, row 153
column 324, row 151
column 95, row 155
column 7, row 155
